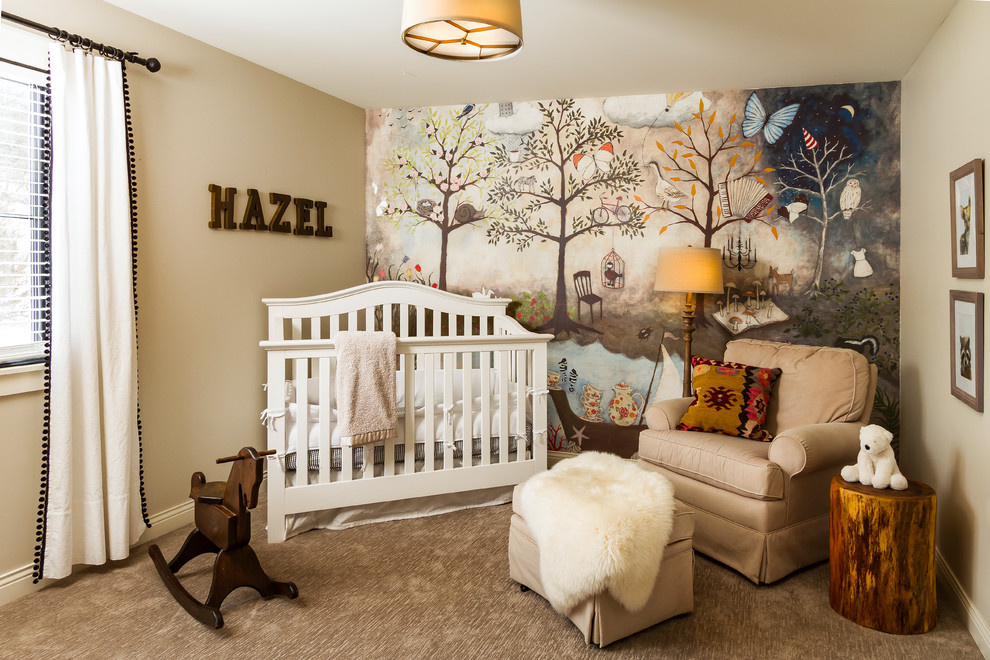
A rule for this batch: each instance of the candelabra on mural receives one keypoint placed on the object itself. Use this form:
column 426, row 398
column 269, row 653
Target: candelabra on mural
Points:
column 738, row 254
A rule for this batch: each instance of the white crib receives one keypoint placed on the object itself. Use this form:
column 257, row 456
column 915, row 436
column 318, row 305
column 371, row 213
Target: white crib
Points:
column 475, row 379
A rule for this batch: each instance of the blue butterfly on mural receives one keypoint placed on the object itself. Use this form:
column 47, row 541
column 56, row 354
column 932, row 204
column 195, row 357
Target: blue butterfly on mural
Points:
column 772, row 126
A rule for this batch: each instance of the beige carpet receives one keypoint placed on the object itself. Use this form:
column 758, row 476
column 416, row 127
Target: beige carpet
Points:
column 430, row 588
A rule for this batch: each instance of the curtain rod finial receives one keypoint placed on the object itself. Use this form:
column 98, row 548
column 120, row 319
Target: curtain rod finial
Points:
column 154, row 65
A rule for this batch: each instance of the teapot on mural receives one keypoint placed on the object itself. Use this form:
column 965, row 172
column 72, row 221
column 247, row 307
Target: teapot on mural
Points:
column 622, row 409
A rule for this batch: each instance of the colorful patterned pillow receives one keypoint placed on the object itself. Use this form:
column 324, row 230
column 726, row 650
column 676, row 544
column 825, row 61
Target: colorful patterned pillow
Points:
column 729, row 398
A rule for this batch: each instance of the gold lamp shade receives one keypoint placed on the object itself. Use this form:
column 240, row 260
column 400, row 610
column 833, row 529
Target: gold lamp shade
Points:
column 462, row 29
column 689, row 270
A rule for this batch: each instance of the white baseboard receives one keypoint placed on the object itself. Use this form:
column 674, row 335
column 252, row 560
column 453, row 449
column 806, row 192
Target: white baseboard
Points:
column 168, row 520
column 974, row 620
column 18, row 582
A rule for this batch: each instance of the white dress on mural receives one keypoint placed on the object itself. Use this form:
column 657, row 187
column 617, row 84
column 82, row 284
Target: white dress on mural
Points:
column 862, row 267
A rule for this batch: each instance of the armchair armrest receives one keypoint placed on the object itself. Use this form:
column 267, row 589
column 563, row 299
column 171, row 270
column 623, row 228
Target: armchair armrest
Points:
column 816, row 446
column 666, row 415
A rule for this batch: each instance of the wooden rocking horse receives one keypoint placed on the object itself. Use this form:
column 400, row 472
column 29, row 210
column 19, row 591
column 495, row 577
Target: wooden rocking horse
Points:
column 223, row 526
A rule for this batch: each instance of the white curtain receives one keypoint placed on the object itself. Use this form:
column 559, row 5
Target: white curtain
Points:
column 94, row 505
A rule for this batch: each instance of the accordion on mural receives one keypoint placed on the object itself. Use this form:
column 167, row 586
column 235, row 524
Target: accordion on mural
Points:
column 743, row 198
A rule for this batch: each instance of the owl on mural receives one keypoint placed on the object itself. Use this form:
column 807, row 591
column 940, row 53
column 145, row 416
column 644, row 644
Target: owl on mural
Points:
column 849, row 200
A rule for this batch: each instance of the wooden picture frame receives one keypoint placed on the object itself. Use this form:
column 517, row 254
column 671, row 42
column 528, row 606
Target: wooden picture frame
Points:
column 966, row 213
column 966, row 346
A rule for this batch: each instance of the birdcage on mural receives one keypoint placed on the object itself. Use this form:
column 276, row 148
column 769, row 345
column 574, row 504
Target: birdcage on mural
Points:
column 613, row 269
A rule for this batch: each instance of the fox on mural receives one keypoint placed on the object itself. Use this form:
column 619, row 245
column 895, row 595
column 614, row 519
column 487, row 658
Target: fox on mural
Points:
column 561, row 205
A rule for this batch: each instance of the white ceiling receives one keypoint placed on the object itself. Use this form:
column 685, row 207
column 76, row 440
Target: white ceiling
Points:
column 572, row 48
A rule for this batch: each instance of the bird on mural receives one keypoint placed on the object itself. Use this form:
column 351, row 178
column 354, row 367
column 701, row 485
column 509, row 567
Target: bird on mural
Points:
column 424, row 207
column 849, row 199
column 645, row 332
column 793, row 210
column 466, row 111
column 666, row 191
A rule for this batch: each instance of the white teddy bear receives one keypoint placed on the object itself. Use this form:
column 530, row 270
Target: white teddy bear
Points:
column 876, row 465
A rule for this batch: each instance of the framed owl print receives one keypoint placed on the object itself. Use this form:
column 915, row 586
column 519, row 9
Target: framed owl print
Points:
column 966, row 332
column 966, row 202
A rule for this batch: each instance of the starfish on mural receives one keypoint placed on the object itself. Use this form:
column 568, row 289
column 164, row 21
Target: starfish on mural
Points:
column 579, row 435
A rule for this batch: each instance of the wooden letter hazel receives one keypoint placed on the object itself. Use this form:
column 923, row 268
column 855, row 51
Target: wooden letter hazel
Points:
column 222, row 213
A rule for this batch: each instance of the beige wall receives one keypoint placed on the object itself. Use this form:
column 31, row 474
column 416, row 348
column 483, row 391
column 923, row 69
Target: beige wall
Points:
column 207, row 117
column 944, row 442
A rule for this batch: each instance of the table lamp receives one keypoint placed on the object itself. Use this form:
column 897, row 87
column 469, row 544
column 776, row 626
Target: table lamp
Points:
column 690, row 271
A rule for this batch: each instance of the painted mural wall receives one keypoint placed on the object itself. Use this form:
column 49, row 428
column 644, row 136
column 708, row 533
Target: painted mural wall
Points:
column 562, row 205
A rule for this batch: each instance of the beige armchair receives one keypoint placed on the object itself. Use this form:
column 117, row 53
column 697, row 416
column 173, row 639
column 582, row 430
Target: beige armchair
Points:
column 762, row 507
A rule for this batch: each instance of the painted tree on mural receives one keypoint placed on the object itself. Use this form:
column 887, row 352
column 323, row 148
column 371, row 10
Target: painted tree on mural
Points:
column 569, row 161
column 434, row 182
column 706, row 167
column 823, row 172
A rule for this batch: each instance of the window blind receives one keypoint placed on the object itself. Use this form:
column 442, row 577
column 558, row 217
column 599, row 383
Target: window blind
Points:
column 25, row 153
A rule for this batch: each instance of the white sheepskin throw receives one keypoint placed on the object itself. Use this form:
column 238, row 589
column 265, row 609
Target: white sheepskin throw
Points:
column 601, row 523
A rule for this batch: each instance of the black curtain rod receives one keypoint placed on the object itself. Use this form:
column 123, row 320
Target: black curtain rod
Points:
column 77, row 41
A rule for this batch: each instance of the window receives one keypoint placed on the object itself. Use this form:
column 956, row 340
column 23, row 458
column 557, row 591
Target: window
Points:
column 24, row 166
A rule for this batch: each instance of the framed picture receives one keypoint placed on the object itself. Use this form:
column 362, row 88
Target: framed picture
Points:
column 966, row 198
column 966, row 331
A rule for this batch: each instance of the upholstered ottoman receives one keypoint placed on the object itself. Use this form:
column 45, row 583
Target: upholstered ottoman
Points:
column 600, row 616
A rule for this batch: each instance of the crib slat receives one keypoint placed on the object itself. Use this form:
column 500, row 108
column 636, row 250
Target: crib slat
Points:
column 448, row 410
column 521, row 381
column 300, row 374
column 503, row 406
column 334, row 325
column 467, row 416
column 277, row 441
column 386, row 317
column 420, row 321
column 409, row 374
column 403, row 320
column 389, row 448
column 539, row 359
column 369, row 319
column 296, row 328
column 429, row 411
column 346, row 461
column 325, row 428
column 486, row 408
column 436, row 322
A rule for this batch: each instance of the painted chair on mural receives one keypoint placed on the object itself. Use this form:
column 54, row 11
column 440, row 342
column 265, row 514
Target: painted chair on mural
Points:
column 582, row 282
column 763, row 507
column 223, row 527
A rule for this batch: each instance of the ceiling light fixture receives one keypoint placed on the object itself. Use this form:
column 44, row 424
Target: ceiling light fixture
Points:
column 462, row 29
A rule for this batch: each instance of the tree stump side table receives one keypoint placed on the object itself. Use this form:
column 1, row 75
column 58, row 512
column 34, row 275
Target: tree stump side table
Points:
column 882, row 556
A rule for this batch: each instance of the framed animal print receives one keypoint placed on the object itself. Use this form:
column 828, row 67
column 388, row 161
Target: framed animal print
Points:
column 966, row 200
column 966, row 331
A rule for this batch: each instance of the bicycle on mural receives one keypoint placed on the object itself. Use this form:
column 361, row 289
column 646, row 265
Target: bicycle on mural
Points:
column 604, row 212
